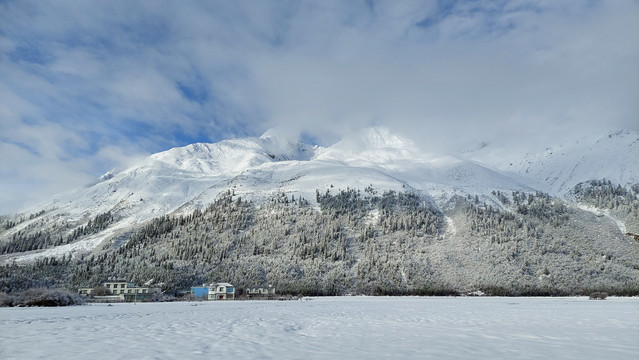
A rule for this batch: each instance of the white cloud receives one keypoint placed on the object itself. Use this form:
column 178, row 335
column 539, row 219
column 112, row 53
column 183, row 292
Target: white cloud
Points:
column 79, row 81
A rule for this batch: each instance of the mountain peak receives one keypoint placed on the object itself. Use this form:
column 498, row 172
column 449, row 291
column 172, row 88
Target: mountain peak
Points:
column 282, row 144
column 279, row 134
column 380, row 137
column 374, row 145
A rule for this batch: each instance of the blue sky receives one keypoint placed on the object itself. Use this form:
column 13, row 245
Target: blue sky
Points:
column 86, row 86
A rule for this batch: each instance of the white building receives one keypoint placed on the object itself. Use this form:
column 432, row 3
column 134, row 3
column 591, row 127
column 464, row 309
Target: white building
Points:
column 264, row 292
column 221, row 291
column 124, row 290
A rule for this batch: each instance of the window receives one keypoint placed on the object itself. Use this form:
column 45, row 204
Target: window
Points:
column 108, row 285
column 122, row 285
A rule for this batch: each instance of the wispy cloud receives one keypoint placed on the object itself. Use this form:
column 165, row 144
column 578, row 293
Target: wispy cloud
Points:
column 86, row 86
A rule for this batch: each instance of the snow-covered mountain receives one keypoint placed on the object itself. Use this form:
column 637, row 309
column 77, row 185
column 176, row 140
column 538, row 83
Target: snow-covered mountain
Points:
column 613, row 156
column 186, row 178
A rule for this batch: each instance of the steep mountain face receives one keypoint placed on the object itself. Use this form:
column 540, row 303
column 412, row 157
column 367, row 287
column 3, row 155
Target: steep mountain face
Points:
column 468, row 199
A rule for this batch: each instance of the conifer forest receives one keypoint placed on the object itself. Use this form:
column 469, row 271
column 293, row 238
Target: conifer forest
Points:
column 357, row 241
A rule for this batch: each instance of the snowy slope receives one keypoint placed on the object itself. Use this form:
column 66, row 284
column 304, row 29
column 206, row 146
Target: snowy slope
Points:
column 614, row 156
column 165, row 181
column 190, row 177
column 430, row 173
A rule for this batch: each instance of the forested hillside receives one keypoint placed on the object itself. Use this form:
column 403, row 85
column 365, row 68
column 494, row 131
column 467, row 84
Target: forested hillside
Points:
column 364, row 241
column 611, row 199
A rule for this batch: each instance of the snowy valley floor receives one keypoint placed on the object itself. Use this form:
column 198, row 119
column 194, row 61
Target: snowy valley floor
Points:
column 326, row 328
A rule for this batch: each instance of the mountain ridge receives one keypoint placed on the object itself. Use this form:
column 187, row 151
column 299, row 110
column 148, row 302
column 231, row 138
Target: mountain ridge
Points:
column 187, row 178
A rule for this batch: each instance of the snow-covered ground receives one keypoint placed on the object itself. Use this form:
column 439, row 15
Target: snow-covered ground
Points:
column 323, row 328
column 603, row 212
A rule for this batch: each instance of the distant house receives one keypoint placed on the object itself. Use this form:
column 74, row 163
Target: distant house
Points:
column 123, row 290
column 221, row 291
column 85, row 291
column 200, row 292
column 264, row 292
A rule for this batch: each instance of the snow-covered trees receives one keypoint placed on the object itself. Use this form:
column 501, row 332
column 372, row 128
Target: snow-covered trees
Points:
column 622, row 202
column 41, row 297
column 36, row 238
column 363, row 242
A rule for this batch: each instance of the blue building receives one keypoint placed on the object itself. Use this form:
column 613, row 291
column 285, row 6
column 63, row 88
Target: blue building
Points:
column 200, row 292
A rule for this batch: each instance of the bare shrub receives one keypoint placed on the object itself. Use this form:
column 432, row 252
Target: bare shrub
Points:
column 598, row 296
column 6, row 300
column 41, row 297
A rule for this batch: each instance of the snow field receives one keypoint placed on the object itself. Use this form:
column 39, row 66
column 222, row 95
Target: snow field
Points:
column 321, row 328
